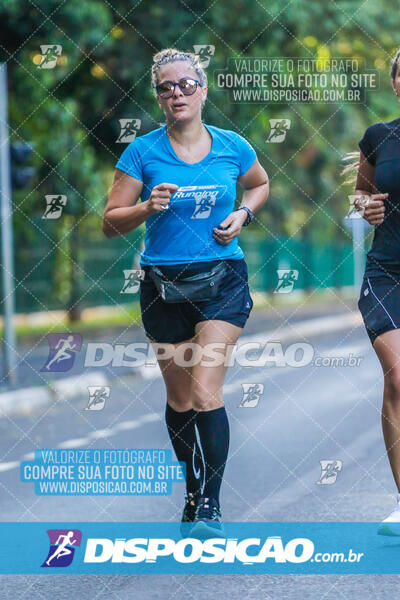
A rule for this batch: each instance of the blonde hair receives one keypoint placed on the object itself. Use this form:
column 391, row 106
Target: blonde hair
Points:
column 351, row 169
column 170, row 55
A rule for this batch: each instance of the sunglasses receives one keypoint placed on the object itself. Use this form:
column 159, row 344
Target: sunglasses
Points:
column 187, row 86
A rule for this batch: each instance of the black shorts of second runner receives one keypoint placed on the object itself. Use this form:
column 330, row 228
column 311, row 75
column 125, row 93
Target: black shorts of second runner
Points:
column 166, row 322
column 379, row 304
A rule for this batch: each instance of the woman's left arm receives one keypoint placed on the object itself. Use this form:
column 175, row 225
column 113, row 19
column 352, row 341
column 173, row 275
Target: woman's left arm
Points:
column 256, row 189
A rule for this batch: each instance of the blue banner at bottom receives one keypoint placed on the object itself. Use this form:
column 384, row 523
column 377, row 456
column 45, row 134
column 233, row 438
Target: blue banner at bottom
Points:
column 291, row 547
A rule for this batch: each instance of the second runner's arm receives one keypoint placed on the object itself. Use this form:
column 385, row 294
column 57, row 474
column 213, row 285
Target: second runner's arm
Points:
column 374, row 212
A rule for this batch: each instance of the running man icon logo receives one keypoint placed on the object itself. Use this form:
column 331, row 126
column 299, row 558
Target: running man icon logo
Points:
column 251, row 394
column 54, row 206
column 329, row 471
column 50, row 53
column 132, row 280
column 98, row 394
column 63, row 347
column 203, row 205
column 204, row 53
column 279, row 129
column 62, row 547
column 129, row 129
column 286, row 280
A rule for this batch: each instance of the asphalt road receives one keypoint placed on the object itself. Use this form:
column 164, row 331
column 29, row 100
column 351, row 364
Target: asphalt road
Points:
column 305, row 414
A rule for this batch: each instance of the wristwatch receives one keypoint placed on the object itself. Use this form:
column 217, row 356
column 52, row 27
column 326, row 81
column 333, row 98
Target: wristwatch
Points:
column 250, row 215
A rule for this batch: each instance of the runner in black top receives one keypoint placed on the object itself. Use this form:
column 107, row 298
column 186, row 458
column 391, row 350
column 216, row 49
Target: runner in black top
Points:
column 378, row 180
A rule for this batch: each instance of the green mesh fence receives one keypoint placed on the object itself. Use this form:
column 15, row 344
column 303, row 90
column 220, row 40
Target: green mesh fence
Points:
column 47, row 279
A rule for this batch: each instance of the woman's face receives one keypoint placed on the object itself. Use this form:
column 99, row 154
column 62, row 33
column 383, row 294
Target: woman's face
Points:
column 178, row 107
column 396, row 82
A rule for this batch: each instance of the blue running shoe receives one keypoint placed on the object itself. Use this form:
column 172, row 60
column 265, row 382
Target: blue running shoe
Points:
column 207, row 522
column 391, row 525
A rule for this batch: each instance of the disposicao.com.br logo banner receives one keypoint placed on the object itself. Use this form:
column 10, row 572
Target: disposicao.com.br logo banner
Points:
column 313, row 548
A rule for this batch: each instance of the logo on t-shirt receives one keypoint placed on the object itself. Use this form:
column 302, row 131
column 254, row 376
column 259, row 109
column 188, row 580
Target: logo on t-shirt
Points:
column 204, row 197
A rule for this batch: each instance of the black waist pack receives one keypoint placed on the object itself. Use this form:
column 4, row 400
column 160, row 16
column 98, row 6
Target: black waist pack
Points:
column 195, row 288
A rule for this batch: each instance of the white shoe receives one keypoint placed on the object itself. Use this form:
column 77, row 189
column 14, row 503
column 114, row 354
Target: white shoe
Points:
column 391, row 525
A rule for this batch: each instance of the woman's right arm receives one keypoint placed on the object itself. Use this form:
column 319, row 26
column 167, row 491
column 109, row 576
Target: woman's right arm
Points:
column 122, row 214
column 374, row 210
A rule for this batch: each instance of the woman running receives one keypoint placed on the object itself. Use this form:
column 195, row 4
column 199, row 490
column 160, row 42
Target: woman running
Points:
column 195, row 285
column 378, row 181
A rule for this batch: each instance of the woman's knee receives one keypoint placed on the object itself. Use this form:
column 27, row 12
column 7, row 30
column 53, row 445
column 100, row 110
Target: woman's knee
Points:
column 179, row 404
column 392, row 386
column 178, row 397
column 205, row 396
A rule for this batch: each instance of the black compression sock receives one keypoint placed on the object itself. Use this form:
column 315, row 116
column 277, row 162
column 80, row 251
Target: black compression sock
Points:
column 181, row 429
column 213, row 428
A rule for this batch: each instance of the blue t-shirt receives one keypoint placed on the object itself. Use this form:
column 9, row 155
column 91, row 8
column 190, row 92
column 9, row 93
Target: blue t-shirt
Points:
column 381, row 147
column 206, row 196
